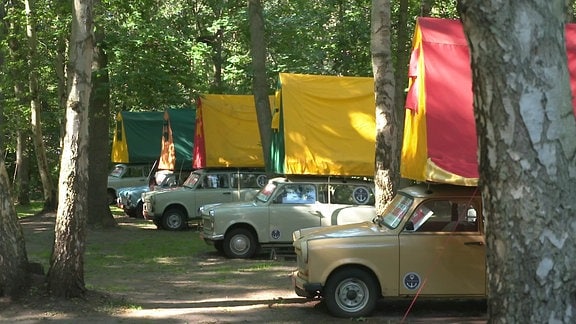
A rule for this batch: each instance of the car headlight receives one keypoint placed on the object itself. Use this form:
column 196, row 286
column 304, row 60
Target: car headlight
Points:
column 304, row 250
column 296, row 235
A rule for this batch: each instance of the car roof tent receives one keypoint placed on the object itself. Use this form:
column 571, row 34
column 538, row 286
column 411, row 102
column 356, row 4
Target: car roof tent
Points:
column 177, row 139
column 324, row 125
column 137, row 137
column 440, row 142
column 227, row 133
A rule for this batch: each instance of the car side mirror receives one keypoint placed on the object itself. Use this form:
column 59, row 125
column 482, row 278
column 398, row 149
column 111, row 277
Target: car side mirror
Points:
column 409, row 226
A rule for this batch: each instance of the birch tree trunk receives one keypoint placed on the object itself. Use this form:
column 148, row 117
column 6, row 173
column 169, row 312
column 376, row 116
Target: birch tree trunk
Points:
column 260, row 85
column 527, row 151
column 387, row 125
column 66, row 273
column 35, row 108
column 13, row 258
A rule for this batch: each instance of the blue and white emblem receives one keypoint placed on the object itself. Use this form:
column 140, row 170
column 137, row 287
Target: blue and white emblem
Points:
column 275, row 234
column 411, row 280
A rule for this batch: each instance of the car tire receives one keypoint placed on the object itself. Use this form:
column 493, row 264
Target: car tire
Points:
column 219, row 245
column 139, row 210
column 240, row 244
column 174, row 219
column 351, row 293
column 111, row 197
column 158, row 224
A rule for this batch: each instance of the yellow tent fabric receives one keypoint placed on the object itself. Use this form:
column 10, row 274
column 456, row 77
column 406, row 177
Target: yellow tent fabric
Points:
column 328, row 124
column 230, row 131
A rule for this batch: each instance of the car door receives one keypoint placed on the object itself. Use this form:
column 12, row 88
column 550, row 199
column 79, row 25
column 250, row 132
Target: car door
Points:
column 293, row 207
column 444, row 253
column 213, row 188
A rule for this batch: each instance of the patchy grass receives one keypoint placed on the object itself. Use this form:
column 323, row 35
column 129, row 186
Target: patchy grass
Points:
column 29, row 210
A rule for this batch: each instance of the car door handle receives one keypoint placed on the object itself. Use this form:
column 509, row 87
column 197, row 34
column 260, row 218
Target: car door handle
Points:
column 227, row 193
column 474, row 243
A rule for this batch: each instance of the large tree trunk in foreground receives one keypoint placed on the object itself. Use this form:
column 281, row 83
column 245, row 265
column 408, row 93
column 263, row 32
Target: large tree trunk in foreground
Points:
column 387, row 126
column 66, row 274
column 13, row 259
column 526, row 131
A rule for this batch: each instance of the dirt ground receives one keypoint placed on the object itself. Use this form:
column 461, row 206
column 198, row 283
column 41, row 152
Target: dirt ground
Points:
column 211, row 289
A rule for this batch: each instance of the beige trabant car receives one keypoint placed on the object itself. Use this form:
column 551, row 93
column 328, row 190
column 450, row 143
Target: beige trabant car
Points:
column 240, row 230
column 173, row 208
column 429, row 242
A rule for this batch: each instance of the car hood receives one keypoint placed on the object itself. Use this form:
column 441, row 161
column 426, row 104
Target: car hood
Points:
column 341, row 231
column 229, row 205
column 139, row 188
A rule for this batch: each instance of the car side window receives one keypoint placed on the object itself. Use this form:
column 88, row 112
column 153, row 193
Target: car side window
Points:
column 297, row 194
column 444, row 216
column 248, row 180
column 215, row 181
column 351, row 194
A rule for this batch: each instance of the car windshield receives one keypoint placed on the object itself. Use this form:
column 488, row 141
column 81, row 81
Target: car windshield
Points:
column 191, row 180
column 396, row 210
column 265, row 193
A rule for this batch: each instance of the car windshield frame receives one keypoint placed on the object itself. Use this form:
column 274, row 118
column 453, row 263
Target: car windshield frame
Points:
column 192, row 180
column 267, row 192
column 396, row 210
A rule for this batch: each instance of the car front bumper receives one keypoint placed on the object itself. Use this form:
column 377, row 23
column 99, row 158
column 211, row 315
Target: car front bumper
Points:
column 303, row 288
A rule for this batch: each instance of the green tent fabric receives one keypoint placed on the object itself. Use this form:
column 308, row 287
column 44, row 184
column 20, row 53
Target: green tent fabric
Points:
column 178, row 139
column 137, row 137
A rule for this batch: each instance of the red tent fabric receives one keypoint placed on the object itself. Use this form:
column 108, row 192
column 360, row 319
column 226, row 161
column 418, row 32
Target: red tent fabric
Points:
column 440, row 143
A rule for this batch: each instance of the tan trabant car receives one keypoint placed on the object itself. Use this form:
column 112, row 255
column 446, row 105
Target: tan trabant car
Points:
column 428, row 242
column 173, row 208
column 240, row 230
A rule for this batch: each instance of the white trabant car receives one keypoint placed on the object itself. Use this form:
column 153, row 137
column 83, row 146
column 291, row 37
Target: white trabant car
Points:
column 240, row 230
column 173, row 208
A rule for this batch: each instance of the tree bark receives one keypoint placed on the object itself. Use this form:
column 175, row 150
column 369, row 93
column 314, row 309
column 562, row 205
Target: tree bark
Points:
column 387, row 141
column 99, row 214
column 66, row 273
column 526, row 131
column 35, row 107
column 14, row 277
column 260, row 84
column 22, row 171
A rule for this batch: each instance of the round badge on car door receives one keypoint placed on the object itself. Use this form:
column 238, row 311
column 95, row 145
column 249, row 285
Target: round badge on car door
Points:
column 361, row 195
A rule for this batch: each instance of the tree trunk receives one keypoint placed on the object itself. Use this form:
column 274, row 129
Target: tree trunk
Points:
column 387, row 126
column 14, row 276
column 99, row 214
column 260, row 85
column 526, row 131
column 66, row 273
column 22, row 182
column 403, row 46
column 35, row 108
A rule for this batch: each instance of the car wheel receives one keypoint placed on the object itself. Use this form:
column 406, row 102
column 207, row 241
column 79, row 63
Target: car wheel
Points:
column 240, row 244
column 139, row 210
column 351, row 293
column 174, row 219
column 158, row 224
column 219, row 245
column 111, row 197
